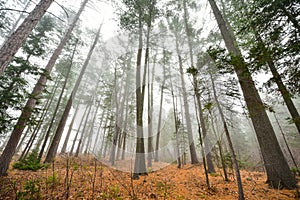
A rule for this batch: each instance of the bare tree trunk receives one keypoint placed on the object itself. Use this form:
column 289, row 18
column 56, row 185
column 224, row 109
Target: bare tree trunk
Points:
column 108, row 130
column 234, row 159
column 89, row 139
column 78, row 129
column 118, row 116
column 37, row 128
column 54, row 145
column 177, row 121
column 140, row 162
column 203, row 153
column 160, row 111
column 22, row 141
column 287, row 97
column 193, row 153
column 122, row 122
column 54, row 115
column 219, row 143
column 278, row 172
column 64, row 147
column 125, row 130
column 84, row 128
column 285, row 94
column 104, row 134
column 44, row 114
column 10, row 148
column 15, row 41
column 286, row 143
column 99, row 129
column 150, row 115
column 207, row 144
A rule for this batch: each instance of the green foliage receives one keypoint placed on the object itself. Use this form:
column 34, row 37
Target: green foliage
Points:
column 243, row 163
column 192, row 70
column 112, row 193
column 53, row 180
column 30, row 191
column 14, row 86
column 143, row 10
column 221, row 59
column 269, row 31
column 31, row 162
column 6, row 20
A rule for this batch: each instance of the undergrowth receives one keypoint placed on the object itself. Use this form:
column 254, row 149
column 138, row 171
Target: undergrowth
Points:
column 30, row 162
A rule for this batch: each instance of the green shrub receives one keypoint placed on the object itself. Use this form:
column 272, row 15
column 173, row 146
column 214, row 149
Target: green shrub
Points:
column 53, row 180
column 31, row 190
column 31, row 162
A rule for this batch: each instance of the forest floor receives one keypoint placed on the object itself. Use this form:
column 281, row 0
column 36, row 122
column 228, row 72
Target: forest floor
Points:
column 86, row 178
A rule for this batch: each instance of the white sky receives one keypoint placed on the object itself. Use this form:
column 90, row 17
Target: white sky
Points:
column 94, row 14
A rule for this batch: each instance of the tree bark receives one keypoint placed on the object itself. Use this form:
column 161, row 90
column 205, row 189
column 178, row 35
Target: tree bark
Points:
column 15, row 41
column 232, row 151
column 278, row 172
column 84, row 127
column 54, row 115
column 286, row 144
column 86, row 151
column 177, row 121
column 160, row 112
column 193, row 153
column 64, row 147
column 150, row 116
column 54, row 145
column 140, row 162
column 98, row 131
column 285, row 94
column 78, row 129
column 9, row 150
column 203, row 153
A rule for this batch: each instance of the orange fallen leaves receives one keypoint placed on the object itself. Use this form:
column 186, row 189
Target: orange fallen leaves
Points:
column 166, row 183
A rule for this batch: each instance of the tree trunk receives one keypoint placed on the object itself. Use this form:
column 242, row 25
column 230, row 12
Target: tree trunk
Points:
column 44, row 114
column 282, row 89
column 203, row 152
column 122, row 122
column 210, row 165
column 22, row 141
column 89, row 139
column 140, row 162
column 193, row 153
column 98, row 131
column 15, row 41
column 54, row 145
column 177, row 121
column 103, row 138
column 150, row 115
column 125, row 130
column 19, row 18
column 9, row 150
column 78, row 129
column 58, row 104
column 84, row 128
column 234, row 159
column 277, row 168
column 160, row 112
column 64, row 147
column 285, row 94
column 118, row 117
column 286, row 144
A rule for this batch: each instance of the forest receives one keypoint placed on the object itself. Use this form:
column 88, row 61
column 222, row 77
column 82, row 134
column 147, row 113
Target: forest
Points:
column 149, row 99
